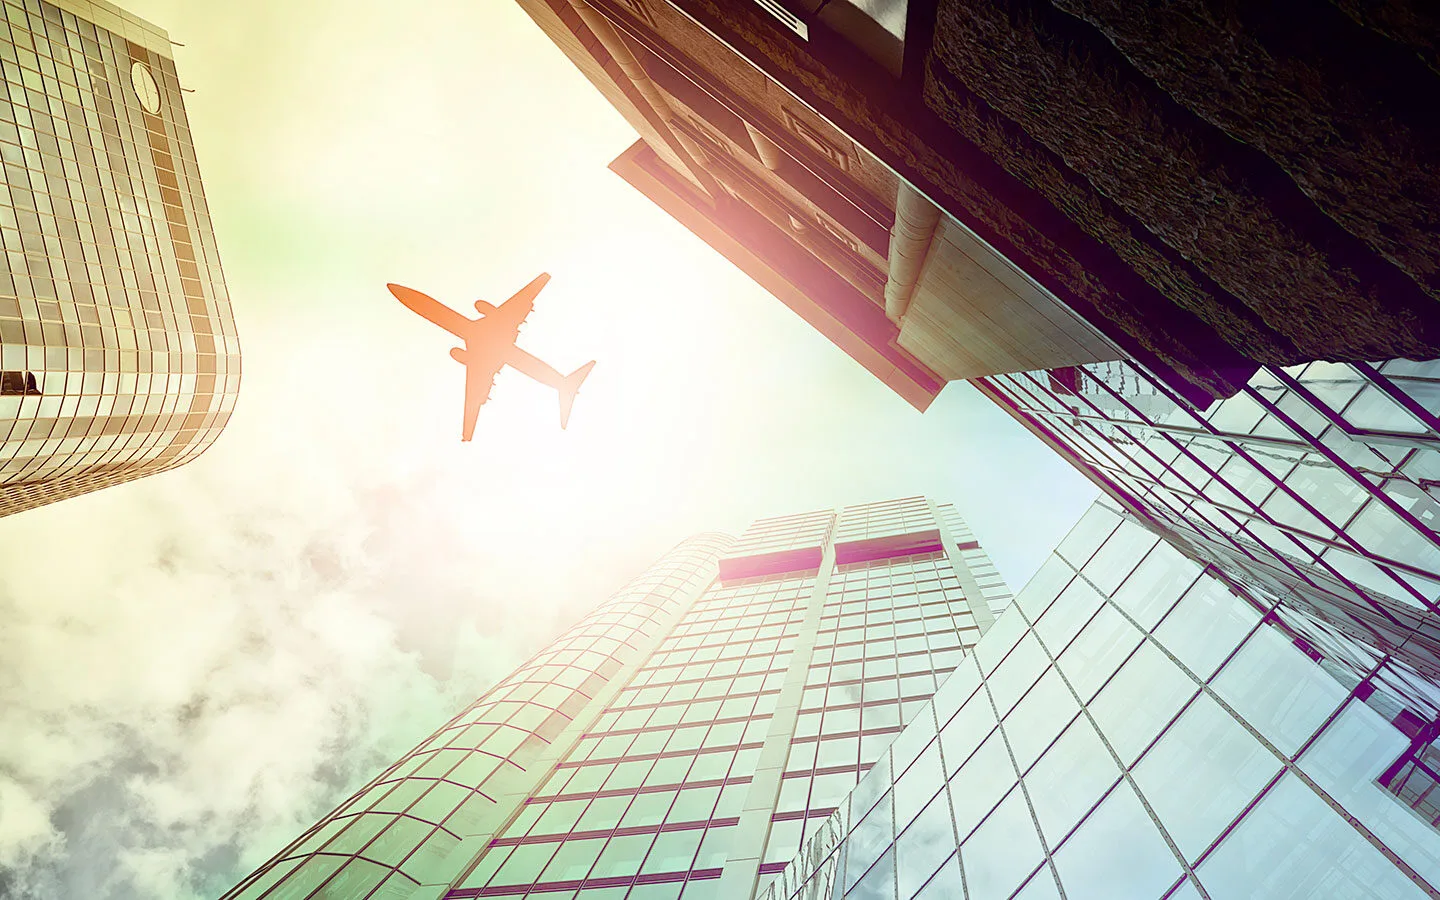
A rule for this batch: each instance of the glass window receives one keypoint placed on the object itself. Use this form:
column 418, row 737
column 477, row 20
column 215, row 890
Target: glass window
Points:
column 1140, row 700
column 1116, row 852
column 714, row 847
column 878, row 883
column 960, row 737
column 1206, row 626
column 980, row 783
column 1002, row 636
column 872, row 837
column 526, row 862
column 1017, row 673
column 1204, row 770
column 1278, row 689
column 573, row 861
column 622, row 856
column 1292, row 846
column 673, row 851
column 928, row 841
column 1044, row 586
column 1186, row 891
column 956, row 688
column 1039, row 718
column 602, row 814
column 947, row 883
column 1071, row 777
column 919, row 783
column 1117, row 557
column 1041, row 887
column 1068, row 615
column 1087, row 535
column 1002, row 851
column 1348, row 760
column 1094, row 656
column 1155, row 585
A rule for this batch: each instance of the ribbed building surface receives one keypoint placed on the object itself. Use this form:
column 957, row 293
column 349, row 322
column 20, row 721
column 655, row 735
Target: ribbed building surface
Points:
column 399, row 831
column 118, row 353
column 683, row 740
column 1135, row 727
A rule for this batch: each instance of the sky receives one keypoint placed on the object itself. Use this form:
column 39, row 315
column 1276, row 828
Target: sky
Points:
column 196, row 666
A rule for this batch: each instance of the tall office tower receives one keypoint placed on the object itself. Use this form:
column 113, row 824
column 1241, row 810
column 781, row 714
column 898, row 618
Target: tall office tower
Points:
column 1318, row 483
column 118, row 355
column 981, row 189
column 683, row 739
column 1135, row 727
column 957, row 188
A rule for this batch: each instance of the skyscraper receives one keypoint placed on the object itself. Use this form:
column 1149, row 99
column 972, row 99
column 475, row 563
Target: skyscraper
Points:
column 1136, row 727
column 1316, row 483
column 951, row 189
column 685, row 738
column 118, row 354
column 884, row 170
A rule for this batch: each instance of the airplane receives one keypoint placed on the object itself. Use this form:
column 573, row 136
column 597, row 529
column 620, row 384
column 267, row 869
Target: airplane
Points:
column 490, row 346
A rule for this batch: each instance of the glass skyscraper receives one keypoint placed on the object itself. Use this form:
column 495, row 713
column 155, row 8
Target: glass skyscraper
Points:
column 1137, row 727
column 683, row 740
column 1318, row 484
column 118, row 354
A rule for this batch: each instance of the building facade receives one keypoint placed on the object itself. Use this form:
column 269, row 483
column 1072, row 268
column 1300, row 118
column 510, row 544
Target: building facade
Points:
column 686, row 738
column 1136, row 727
column 118, row 353
column 881, row 167
column 1317, row 484
column 950, row 189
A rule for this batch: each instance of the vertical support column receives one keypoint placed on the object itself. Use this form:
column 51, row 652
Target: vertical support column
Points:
column 974, row 598
column 741, row 874
column 915, row 222
column 769, row 152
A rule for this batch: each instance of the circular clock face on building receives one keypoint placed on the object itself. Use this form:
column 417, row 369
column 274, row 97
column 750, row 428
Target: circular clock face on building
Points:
column 145, row 87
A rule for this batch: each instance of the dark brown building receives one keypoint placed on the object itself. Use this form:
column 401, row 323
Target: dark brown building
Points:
column 958, row 188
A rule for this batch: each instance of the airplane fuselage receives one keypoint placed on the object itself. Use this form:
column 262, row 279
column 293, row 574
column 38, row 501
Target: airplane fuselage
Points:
column 490, row 345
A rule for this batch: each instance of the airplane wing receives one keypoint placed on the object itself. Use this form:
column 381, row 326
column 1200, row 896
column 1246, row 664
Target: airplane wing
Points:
column 524, row 298
column 511, row 314
column 432, row 309
column 479, row 379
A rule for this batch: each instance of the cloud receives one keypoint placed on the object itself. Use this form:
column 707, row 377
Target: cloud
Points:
column 197, row 667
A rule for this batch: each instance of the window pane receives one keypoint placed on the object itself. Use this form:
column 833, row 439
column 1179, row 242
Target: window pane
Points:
column 1070, row 778
column 928, row 841
column 980, row 783
column 964, row 733
column 1202, row 773
column 1292, row 846
column 946, row 885
column 1002, row 851
column 1117, row 852
column 1015, row 675
column 1156, row 584
column 1206, row 626
column 1041, row 887
column 1117, row 558
column 1039, row 718
column 1354, row 751
column 1098, row 651
column 1142, row 698
column 1068, row 615
column 1278, row 689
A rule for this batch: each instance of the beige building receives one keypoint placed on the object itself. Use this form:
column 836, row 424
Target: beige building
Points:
column 815, row 217
column 117, row 341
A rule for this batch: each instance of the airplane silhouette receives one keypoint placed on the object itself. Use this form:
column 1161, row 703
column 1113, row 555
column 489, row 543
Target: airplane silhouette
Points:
column 490, row 346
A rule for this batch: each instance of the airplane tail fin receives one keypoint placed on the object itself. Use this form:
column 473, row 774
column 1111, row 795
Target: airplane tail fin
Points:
column 569, row 387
